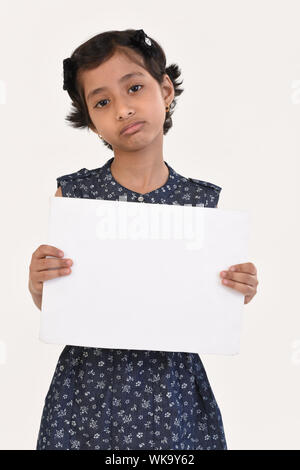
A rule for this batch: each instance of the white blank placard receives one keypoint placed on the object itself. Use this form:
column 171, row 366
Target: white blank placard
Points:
column 144, row 276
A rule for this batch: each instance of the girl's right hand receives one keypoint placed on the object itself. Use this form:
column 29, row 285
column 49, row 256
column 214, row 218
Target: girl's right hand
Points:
column 41, row 268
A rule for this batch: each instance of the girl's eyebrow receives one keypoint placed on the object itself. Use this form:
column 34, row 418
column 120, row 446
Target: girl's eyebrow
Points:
column 122, row 79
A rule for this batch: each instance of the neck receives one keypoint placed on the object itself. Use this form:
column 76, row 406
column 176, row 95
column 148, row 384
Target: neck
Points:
column 140, row 171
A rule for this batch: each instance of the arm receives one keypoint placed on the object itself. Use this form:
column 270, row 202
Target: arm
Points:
column 37, row 296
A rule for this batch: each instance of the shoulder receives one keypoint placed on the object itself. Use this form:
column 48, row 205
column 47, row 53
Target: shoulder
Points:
column 195, row 183
column 82, row 183
column 81, row 176
column 206, row 185
column 195, row 191
column 72, row 177
column 205, row 191
column 76, row 184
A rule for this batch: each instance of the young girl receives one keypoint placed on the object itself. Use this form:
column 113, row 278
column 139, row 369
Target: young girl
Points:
column 117, row 399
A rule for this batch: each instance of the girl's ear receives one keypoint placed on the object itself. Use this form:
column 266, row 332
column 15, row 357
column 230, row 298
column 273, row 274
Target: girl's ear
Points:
column 168, row 86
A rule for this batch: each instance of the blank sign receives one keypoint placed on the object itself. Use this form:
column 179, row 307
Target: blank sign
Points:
column 145, row 276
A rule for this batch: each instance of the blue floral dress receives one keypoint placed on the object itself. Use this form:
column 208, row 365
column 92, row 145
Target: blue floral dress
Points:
column 123, row 399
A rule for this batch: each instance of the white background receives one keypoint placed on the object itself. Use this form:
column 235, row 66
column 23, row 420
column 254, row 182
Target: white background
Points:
column 235, row 125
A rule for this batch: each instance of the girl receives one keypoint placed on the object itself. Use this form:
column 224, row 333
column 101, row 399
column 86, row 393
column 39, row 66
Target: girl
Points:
column 117, row 399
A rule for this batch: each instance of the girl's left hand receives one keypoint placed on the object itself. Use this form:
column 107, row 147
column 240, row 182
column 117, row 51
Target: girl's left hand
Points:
column 242, row 278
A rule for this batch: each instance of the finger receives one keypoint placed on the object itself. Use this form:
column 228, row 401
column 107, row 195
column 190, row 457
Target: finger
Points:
column 52, row 263
column 42, row 276
column 248, row 268
column 240, row 287
column 244, row 278
column 47, row 250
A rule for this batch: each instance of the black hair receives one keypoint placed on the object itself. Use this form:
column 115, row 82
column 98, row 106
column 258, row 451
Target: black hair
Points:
column 100, row 48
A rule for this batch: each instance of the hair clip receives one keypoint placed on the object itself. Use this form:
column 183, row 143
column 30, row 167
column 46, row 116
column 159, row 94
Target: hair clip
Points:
column 141, row 40
column 69, row 68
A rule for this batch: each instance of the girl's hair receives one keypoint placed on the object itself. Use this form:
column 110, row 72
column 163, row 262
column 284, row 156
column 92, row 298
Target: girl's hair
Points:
column 100, row 48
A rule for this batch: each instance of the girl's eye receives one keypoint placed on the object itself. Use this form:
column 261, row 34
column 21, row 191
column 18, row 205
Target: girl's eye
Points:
column 133, row 86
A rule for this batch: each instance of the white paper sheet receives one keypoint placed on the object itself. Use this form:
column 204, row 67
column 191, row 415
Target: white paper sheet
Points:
column 145, row 276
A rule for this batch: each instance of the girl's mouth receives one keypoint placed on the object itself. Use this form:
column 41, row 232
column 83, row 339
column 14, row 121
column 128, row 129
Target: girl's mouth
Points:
column 134, row 128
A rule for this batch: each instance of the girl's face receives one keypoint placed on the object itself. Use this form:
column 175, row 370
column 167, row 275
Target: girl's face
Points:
column 122, row 101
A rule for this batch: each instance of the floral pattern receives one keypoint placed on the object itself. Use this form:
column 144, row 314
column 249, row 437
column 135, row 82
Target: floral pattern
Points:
column 123, row 399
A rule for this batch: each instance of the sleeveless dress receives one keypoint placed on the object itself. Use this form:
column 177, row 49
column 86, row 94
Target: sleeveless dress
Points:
column 123, row 399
